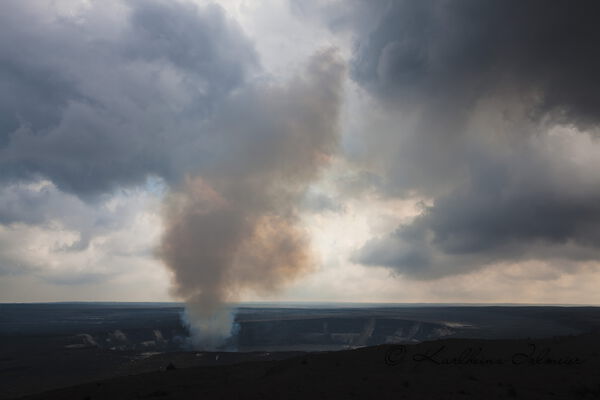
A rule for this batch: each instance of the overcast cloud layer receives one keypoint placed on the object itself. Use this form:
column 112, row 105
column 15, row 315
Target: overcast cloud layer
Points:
column 249, row 145
column 107, row 94
column 497, row 125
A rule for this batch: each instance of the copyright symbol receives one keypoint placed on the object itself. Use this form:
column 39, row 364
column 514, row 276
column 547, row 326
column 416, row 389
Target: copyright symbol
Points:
column 395, row 355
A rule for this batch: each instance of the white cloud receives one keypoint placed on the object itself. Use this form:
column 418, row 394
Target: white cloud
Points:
column 68, row 244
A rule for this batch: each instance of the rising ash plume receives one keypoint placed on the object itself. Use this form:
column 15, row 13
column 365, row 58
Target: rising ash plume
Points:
column 234, row 226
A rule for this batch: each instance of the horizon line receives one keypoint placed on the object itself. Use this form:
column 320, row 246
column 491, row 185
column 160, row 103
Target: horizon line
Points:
column 316, row 303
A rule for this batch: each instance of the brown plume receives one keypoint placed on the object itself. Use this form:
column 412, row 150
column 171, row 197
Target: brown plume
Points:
column 234, row 226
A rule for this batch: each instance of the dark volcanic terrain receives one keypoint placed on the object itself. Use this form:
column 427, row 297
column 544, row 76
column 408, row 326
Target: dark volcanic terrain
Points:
column 50, row 346
column 558, row 368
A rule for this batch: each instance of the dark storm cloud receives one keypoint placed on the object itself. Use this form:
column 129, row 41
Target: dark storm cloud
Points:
column 460, row 50
column 107, row 98
column 206, row 46
column 520, row 209
column 484, row 93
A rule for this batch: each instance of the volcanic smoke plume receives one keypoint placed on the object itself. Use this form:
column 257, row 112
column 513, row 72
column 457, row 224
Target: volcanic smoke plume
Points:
column 234, row 226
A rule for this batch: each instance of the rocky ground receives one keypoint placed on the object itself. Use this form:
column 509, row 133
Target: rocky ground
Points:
column 555, row 368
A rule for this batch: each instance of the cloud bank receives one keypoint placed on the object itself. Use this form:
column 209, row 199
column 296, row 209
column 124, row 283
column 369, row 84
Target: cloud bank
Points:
column 496, row 123
column 101, row 97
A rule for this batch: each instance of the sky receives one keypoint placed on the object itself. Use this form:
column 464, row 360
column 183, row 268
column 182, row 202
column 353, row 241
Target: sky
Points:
column 287, row 150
